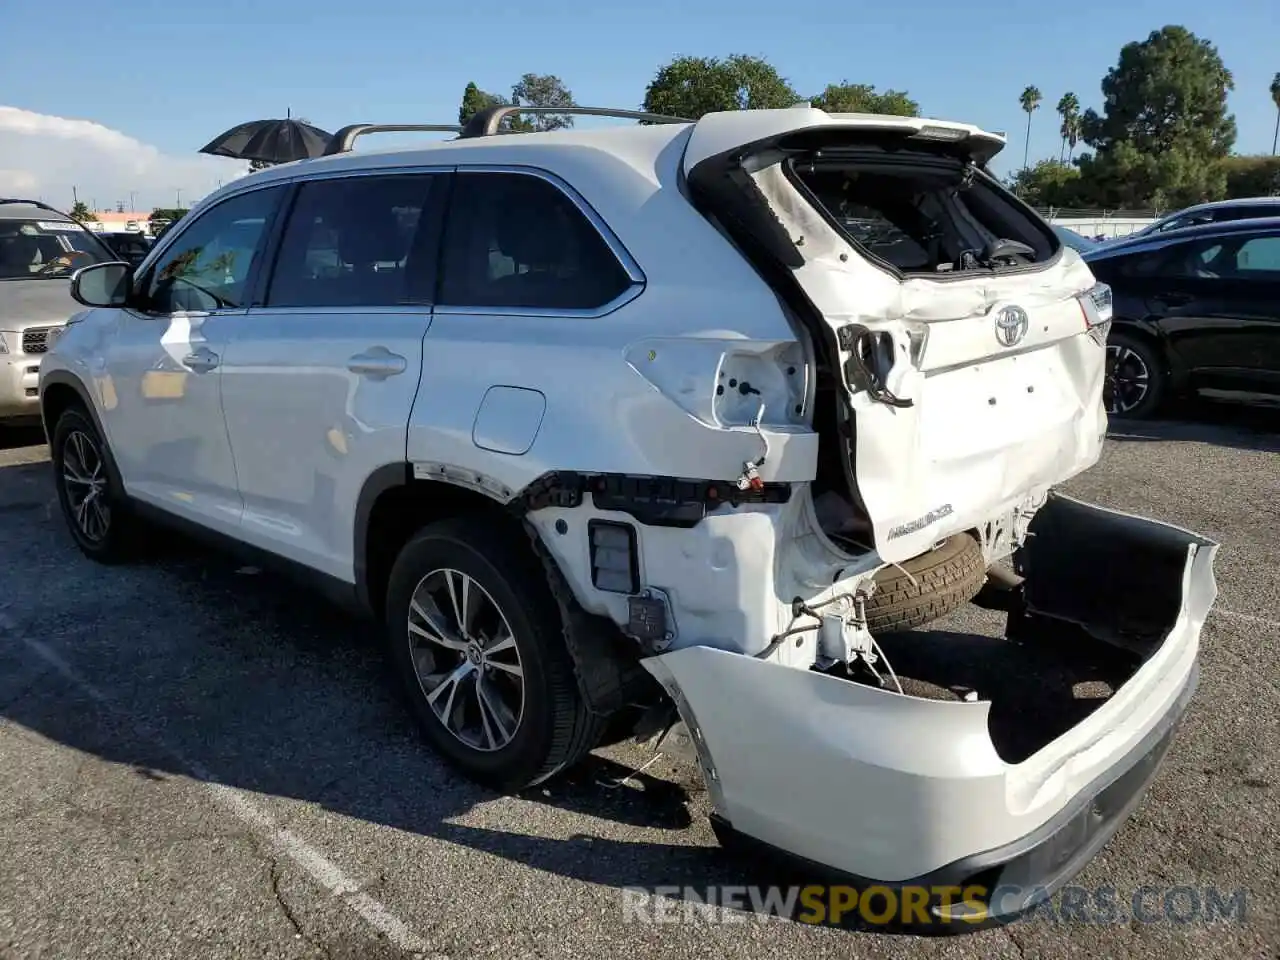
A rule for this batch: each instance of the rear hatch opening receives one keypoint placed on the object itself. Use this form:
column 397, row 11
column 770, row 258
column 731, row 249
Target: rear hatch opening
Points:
column 954, row 377
column 916, row 211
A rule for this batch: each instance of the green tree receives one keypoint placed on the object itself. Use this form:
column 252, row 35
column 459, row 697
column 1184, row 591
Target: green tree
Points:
column 544, row 90
column 80, row 211
column 1050, row 183
column 1165, row 127
column 1069, row 111
column 692, row 86
column 162, row 219
column 475, row 100
column 1030, row 101
column 862, row 98
column 1075, row 130
column 1252, row 176
column 1275, row 98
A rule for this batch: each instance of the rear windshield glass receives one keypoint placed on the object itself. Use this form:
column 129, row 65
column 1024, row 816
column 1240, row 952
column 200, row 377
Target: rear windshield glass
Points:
column 39, row 249
column 921, row 213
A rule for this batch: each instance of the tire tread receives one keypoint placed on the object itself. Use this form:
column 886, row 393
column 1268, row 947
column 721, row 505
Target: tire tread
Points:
column 945, row 579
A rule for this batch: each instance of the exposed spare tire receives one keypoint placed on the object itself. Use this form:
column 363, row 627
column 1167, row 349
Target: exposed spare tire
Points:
column 945, row 579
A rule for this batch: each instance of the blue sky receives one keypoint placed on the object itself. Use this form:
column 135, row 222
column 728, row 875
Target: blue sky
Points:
column 173, row 74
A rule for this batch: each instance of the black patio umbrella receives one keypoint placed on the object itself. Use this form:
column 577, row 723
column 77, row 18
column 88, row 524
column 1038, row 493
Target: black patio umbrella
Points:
column 274, row 141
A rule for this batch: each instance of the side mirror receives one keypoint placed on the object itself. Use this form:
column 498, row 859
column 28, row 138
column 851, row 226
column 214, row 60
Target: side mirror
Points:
column 103, row 284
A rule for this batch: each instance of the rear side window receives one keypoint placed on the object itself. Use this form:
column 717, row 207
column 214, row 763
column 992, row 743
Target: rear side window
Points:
column 920, row 212
column 1259, row 258
column 518, row 241
column 1246, row 213
column 354, row 242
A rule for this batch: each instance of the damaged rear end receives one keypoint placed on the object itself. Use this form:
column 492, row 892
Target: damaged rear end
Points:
column 959, row 352
column 1007, row 801
column 959, row 345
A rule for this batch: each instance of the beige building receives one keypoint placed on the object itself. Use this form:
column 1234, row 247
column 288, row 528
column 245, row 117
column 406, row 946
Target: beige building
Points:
column 112, row 221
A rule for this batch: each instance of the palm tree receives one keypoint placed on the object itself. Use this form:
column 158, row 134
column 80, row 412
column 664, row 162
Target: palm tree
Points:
column 1275, row 98
column 1074, row 131
column 1030, row 101
column 1069, row 111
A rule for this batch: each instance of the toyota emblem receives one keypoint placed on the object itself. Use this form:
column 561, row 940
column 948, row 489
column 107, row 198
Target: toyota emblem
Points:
column 1011, row 326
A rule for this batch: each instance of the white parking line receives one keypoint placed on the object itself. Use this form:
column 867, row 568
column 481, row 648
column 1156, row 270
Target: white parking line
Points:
column 239, row 804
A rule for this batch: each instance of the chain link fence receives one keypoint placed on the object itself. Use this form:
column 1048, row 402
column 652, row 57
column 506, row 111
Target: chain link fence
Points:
column 1074, row 213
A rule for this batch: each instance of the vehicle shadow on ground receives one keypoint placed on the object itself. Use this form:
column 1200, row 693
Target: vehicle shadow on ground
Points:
column 14, row 438
column 1221, row 424
column 247, row 678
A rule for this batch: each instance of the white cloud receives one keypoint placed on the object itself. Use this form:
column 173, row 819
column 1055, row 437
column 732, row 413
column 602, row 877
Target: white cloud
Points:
column 45, row 156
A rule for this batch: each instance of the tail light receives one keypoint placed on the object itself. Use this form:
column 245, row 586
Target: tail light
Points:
column 1095, row 305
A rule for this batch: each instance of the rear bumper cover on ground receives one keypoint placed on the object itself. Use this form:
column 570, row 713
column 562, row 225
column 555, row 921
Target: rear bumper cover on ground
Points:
column 865, row 784
column 1011, row 879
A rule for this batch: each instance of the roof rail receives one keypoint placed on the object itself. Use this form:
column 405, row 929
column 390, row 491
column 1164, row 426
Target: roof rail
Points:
column 486, row 122
column 344, row 139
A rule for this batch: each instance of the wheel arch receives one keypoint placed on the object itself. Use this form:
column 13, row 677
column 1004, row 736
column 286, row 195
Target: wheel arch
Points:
column 1150, row 334
column 394, row 504
column 60, row 389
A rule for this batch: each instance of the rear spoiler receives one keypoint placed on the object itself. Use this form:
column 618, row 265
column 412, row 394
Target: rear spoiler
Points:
column 741, row 134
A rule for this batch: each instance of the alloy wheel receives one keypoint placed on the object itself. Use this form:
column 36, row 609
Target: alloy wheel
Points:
column 466, row 659
column 84, row 478
column 1128, row 379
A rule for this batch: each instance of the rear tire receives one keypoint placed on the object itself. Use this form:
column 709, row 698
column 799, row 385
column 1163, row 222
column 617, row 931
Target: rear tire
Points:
column 1135, row 382
column 463, row 690
column 945, row 579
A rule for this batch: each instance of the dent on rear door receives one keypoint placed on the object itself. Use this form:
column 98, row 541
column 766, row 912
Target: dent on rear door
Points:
column 951, row 428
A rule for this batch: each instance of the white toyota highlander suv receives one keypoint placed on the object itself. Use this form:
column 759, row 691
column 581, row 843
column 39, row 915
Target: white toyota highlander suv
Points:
column 683, row 423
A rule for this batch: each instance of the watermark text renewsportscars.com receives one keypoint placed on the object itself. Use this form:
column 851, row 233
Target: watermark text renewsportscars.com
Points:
column 882, row 906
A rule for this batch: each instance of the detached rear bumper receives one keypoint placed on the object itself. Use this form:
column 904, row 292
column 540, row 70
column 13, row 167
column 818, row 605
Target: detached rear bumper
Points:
column 998, row 885
column 869, row 787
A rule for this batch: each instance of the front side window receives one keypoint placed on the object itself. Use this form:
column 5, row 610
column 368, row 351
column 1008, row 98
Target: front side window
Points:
column 515, row 240
column 44, row 249
column 1201, row 260
column 209, row 264
column 353, row 242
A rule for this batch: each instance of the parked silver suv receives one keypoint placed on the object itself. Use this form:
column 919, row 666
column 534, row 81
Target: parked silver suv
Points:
column 40, row 248
column 687, row 421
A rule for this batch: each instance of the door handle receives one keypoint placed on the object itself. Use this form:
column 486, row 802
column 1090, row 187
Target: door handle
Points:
column 200, row 361
column 377, row 362
column 1173, row 299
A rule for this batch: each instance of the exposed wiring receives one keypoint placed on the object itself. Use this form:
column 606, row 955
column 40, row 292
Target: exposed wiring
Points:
column 614, row 784
column 799, row 608
column 750, row 479
column 887, row 665
column 905, row 572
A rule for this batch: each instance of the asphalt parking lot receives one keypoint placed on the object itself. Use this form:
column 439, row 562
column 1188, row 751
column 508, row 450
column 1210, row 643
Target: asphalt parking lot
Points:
column 201, row 761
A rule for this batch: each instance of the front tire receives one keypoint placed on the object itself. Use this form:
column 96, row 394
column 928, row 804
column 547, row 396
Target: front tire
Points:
column 477, row 642
column 89, row 491
column 1135, row 382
